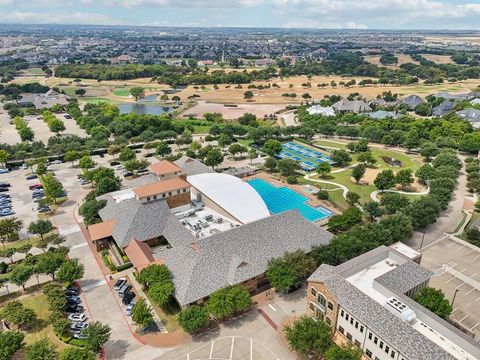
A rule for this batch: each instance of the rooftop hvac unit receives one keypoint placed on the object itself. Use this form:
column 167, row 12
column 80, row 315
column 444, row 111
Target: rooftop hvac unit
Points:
column 401, row 310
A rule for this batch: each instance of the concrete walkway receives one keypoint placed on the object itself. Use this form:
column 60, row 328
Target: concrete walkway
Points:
column 343, row 187
column 374, row 197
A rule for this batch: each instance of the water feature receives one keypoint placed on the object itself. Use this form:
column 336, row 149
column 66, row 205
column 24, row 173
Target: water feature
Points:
column 144, row 108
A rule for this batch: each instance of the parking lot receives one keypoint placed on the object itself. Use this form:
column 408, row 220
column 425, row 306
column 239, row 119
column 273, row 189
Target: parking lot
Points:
column 8, row 133
column 71, row 127
column 456, row 268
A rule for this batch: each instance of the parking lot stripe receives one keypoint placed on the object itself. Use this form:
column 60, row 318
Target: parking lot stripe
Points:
column 474, row 326
column 460, row 285
column 251, row 349
column 231, row 349
column 453, row 277
column 463, row 318
column 469, row 291
column 476, row 257
column 272, row 307
column 211, row 350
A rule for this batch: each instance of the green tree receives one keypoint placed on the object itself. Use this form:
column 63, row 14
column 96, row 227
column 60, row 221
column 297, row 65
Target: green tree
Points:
column 9, row 229
column 424, row 173
column 272, row 147
column 163, row 149
column 288, row 167
column 358, row 172
column 127, row 154
column 352, row 197
column 428, row 150
column 70, row 271
column 193, row 319
column 20, row 274
column 367, row 158
column 270, row 163
column 385, row 180
column 49, row 263
column 40, row 227
column 56, row 298
column 135, row 165
column 281, row 275
column 86, row 163
column 137, row 92
column 214, row 158
column 341, row 157
column 53, row 188
column 412, row 140
column 237, row 148
column 225, row 302
column 142, row 313
column 72, row 156
column 345, row 221
column 89, row 210
column 252, row 154
column 309, row 337
column 80, row 92
column 4, row 156
column 56, row 126
column 113, row 150
column 161, row 292
column 14, row 312
column 424, row 212
column 60, row 324
column 96, row 335
column 345, row 352
column 393, row 202
column 41, row 168
column 248, row 95
column 323, row 169
column 435, row 301
column 404, row 177
column 10, row 343
column 373, row 210
column 153, row 274
column 74, row 353
column 40, row 350
column 107, row 184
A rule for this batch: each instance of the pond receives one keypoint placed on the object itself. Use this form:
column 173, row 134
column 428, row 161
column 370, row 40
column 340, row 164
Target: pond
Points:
column 144, row 108
column 392, row 161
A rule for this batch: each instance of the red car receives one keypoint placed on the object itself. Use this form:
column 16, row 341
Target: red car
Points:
column 36, row 186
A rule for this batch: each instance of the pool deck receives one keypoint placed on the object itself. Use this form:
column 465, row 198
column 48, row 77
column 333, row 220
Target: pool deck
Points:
column 313, row 201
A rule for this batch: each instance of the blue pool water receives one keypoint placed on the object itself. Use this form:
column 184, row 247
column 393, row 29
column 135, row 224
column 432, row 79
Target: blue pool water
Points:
column 281, row 199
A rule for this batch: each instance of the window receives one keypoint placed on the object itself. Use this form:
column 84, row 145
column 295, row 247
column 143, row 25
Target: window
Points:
column 330, row 305
column 370, row 336
column 163, row 195
column 341, row 330
column 357, row 343
column 148, row 198
column 361, row 328
column 169, row 193
column 154, row 197
column 328, row 321
column 356, row 324
column 346, row 317
column 312, row 307
column 392, row 355
column 322, row 300
column 342, row 313
column 313, row 292
column 375, row 341
column 381, row 344
column 178, row 191
column 349, row 336
column 368, row 353
column 387, row 349
column 351, row 321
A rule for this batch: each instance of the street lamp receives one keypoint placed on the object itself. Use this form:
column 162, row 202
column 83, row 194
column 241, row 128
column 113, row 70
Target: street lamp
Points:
column 423, row 238
column 454, row 296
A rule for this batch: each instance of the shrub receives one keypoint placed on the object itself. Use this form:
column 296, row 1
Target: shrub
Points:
column 323, row 195
column 193, row 319
column 292, row 179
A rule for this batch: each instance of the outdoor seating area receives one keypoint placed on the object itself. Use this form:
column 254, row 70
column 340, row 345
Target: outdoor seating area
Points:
column 308, row 159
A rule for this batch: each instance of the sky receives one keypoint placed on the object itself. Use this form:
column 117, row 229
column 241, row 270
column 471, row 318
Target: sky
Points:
column 320, row 14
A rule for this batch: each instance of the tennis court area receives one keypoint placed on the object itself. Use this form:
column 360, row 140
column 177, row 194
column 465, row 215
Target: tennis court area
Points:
column 308, row 158
column 281, row 199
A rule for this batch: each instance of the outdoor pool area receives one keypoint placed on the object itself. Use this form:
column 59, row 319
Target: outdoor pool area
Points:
column 309, row 159
column 281, row 199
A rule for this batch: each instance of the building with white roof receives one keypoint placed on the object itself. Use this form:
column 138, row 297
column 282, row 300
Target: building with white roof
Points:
column 321, row 110
column 229, row 195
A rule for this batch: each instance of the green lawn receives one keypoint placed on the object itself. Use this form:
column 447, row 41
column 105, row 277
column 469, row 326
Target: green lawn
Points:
column 121, row 92
column 407, row 160
column 330, row 144
column 38, row 303
column 95, row 100
column 70, row 91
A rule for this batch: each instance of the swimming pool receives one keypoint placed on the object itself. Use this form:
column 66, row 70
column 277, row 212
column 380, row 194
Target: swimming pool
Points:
column 281, row 199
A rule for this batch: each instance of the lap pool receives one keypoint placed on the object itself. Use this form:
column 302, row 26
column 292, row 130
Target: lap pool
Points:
column 281, row 199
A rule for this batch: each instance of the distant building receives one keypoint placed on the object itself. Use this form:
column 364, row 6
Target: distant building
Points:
column 368, row 302
column 43, row 101
column 355, row 106
column 471, row 115
column 320, row 110
column 205, row 63
column 241, row 172
column 123, row 59
column 475, row 101
column 382, row 114
column 412, row 101
column 444, row 108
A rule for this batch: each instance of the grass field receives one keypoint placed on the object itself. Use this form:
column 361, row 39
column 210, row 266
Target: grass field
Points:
column 402, row 59
column 330, row 144
column 38, row 303
column 122, row 92
column 98, row 100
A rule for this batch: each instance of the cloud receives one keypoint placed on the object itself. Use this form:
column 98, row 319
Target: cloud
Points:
column 177, row 4
column 16, row 17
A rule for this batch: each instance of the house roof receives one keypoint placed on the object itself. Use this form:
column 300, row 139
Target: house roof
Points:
column 144, row 221
column 140, row 254
column 192, row 166
column 233, row 195
column 240, row 171
column 356, row 106
column 444, row 108
column 239, row 254
column 412, row 101
column 472, row 115
column 161, row 187
column 320, row 110
column 101, row 230
column 164, row 167
column 382, row 114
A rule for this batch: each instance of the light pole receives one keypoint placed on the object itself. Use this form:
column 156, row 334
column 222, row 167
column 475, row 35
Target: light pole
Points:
column 454, row 296
column 423, row 238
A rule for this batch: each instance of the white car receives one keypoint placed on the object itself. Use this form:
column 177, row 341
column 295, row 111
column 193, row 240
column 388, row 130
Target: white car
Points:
column 119, row 167
column 79, row 335
column 78, row 326
column 129, row 308
column 77, row 317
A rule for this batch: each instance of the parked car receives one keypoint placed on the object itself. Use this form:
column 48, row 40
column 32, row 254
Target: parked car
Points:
column 44, row 209
column 79, row 335
column 3, row 171
column 4, row 189
column 148, row 155
column 119, row 167
column 129, row 308
column 78, row 326
column 35, row 186
column 141, row 171
column 72, row 309
column 128, row 297
column 72, row 291
column 114, row 163
column 4, row 184
column 73, row 299
column 119, row 284
column 68, row 117
column 7, row 212
column 126, row 288
column 77, row 317
column 38, row 191
column 31, row 177
column 84, row 182
column 56, row 162
column 127, row 173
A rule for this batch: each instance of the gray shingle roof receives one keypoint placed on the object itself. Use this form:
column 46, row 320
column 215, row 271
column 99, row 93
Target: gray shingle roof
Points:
column 382, row 114
column 356, row 106
column 192, row 166
column 405, row 277
column 412, row 101
column 239, row 254
column 472, row 115
column 444, row 108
